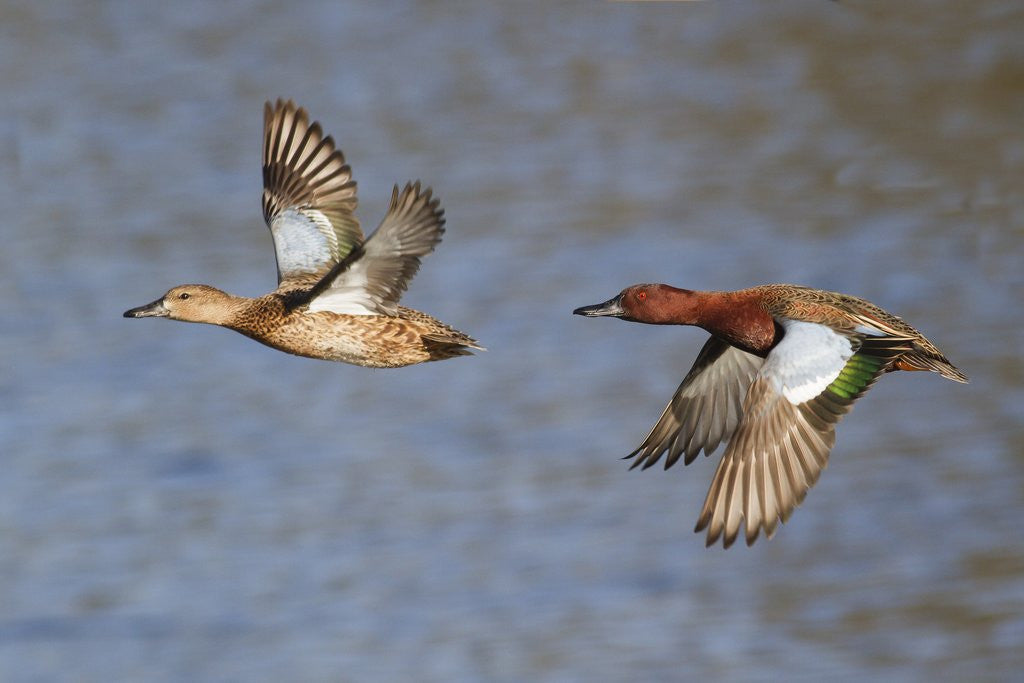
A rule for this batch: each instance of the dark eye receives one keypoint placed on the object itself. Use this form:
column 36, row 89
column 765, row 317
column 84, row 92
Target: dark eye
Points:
column 183, row 296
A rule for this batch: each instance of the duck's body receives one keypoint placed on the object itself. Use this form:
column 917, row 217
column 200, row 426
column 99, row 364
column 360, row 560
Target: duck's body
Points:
column 376, row 341
column 783, row 365
column 337, row 295
column 748, row 319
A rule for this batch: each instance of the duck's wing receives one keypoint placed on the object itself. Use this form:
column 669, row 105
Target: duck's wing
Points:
column 805, row 386
column 371, row 279
column 705, row 409
column 309, row 197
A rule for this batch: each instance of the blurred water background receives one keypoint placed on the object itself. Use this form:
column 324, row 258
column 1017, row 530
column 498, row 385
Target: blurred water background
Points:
column 180, row 503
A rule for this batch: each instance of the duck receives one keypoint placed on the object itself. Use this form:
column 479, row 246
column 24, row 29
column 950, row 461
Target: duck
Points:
column 337, row 292
column 784, row 363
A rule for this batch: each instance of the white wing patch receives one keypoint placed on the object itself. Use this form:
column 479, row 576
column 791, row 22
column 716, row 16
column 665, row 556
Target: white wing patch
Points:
column 348, row 294
column 304, row 242
column 869, row 330
column 373, row 283
column 808, row 359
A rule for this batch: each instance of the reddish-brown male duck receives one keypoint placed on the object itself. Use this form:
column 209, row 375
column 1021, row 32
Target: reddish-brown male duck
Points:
column 784, row 363
column 337, row 293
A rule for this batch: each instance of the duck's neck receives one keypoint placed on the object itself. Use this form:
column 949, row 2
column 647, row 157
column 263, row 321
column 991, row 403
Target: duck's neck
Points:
column 254, row 316
column 738, row 318
column 231, row 311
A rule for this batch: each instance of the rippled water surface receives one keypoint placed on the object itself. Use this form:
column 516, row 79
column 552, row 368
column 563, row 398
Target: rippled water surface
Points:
column 180, row 503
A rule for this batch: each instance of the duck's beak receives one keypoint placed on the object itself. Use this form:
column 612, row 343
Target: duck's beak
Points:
column 151, row 310
column 612, row 307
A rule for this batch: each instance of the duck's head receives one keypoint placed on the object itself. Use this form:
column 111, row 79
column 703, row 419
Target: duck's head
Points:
column 649, row 303
column 190, row 303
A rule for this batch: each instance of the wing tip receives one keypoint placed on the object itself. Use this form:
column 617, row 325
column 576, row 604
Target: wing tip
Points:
column 279, row 108
column 716, row 532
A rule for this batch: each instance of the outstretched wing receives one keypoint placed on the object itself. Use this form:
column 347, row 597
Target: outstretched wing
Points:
column 373, row 283
column 309, row 197
column 806, row 385
column 705, row 409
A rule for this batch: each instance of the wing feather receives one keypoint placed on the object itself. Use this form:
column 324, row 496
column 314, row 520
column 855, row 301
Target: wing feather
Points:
column 704, row 410
column 374, row 283
column 309, row 197
column 781, row 445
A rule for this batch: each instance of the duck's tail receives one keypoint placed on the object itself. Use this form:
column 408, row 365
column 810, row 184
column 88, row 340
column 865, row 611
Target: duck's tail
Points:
column 932, row 361
column 451, row 343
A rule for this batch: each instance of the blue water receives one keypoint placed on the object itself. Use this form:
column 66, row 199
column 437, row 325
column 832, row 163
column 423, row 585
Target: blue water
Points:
column 180, row 503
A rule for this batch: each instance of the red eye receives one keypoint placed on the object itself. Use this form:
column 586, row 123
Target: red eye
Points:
column 641, row 295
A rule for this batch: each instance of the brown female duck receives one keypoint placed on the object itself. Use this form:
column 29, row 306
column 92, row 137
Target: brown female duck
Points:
column 784, row 363
column 337, row 294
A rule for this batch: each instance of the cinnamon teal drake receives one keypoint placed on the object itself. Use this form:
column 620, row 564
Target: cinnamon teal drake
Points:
column 783, row 365
column 337, row 293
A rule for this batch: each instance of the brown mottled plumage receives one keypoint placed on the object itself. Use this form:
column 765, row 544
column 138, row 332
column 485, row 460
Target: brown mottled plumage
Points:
column 337, row 294
column 783, row 365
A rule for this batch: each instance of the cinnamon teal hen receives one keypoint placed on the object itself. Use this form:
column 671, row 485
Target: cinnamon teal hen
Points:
column 337, row 294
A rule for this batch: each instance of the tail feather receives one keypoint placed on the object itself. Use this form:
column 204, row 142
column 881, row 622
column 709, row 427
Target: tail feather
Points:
column 441, row 346
column 932, row 363
column 456, row 338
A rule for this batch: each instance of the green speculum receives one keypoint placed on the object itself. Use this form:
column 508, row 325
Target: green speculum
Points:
column 855, row 375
